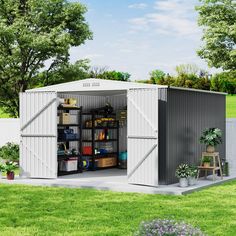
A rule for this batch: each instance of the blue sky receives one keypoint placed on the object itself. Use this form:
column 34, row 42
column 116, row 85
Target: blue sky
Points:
column 140, row 36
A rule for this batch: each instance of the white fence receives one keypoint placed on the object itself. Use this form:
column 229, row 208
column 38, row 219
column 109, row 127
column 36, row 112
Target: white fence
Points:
column 9, row 131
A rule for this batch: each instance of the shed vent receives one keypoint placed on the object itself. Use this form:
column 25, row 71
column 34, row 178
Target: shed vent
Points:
column 97, row 84
column 86, row 84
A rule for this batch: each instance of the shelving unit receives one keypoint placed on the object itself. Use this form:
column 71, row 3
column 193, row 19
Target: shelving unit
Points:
column 93, row 141
column 78, row 140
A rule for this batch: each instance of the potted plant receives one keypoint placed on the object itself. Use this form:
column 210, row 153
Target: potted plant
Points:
column 206, row 161
column 211, row 138
column 9, row 167
column 192, row 179
column 182, row 173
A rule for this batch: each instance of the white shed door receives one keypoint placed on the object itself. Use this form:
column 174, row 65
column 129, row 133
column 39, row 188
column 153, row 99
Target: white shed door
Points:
column 38, row 124
column 143, row 137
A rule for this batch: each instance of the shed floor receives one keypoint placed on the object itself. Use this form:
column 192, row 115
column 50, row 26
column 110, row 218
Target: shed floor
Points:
column 114, row 180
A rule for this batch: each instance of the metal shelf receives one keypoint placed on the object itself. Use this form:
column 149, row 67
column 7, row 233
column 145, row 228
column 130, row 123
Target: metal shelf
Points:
column 67, row 125
column 100, row 141
column 66, row 140
column 69, row 108
column 100, row 155
column 100, row 128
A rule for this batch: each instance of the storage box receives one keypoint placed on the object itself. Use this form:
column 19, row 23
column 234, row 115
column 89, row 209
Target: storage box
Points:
column 69, row 165
column 74, row 119
column 65, row 118
column 87, row 150
column 107, row 162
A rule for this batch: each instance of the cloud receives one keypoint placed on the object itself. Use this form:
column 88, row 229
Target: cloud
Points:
column 138, row 6
column 173, row 17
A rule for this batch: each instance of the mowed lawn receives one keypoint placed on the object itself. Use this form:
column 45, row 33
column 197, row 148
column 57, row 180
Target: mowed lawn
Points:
column 231, row 106
column 27, row 210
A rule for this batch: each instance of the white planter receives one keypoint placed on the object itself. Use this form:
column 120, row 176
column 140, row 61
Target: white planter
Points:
column 183, row 182
column 192, row 181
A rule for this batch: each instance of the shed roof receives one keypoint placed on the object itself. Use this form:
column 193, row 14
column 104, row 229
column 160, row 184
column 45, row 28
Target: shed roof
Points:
column 94, row 85
column 101, row 86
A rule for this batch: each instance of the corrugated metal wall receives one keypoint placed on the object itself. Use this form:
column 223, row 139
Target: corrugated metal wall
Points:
column 38, row 134
column 162, row 134
column 188, row 114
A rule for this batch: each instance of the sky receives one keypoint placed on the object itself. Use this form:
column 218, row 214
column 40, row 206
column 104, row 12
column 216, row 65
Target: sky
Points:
column 140, row 36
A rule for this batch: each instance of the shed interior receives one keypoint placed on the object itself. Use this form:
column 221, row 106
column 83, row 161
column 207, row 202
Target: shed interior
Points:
column 101, row 144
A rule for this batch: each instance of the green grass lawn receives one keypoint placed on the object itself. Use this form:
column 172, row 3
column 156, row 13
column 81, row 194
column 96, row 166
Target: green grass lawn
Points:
column 44, row 211
column 231, row 106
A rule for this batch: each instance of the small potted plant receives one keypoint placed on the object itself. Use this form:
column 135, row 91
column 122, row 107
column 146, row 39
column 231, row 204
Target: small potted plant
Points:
column 9, row 167
column 182, row 173
column 192, row 179
column 206, row 161
column 211, row 138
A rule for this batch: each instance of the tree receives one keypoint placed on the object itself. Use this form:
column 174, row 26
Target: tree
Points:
column 157, row 76
column 65, row 73
column 102, row 73
column 218, row 17
column 35, row 33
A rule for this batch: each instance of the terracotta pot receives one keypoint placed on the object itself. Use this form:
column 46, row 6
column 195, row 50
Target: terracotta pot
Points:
column 10, row 175
column 210, row 149
column 206, row 164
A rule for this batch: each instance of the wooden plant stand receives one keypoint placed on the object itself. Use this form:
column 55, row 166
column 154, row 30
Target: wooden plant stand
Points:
column 216, row 165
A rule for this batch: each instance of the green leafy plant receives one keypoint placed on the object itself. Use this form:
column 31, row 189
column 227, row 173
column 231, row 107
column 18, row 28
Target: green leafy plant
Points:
column 206, row 159
column 211, row 137
column 10, row 152
column 10, row 166
column 182, row 171
column 193, row 170
column 2, row 168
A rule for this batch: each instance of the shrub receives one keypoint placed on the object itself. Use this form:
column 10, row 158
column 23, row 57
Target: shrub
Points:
column 167, row 228
column 193, row 171
column 182, row 171
column 10, row 166
column 10, row 152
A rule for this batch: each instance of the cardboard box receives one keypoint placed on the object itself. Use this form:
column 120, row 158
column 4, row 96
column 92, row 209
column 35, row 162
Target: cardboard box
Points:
column 65, row 118
column 107, row 162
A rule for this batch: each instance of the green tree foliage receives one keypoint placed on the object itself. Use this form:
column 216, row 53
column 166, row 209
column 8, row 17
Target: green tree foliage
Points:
column 218, row 17
column 224, row 82
column 35, row 33
column 102, row 73
column 65, row 73
column 157, row 76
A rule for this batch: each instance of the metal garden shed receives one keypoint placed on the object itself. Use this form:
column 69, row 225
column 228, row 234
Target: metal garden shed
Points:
column 163, row 126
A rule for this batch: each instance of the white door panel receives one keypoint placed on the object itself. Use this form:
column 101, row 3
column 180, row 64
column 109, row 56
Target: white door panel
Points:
column 38, row 146
column 143, row 136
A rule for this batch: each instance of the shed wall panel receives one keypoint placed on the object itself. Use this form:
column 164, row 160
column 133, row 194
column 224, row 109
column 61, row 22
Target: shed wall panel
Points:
column 38, row 143
column 188, row 114
column 162, row 134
